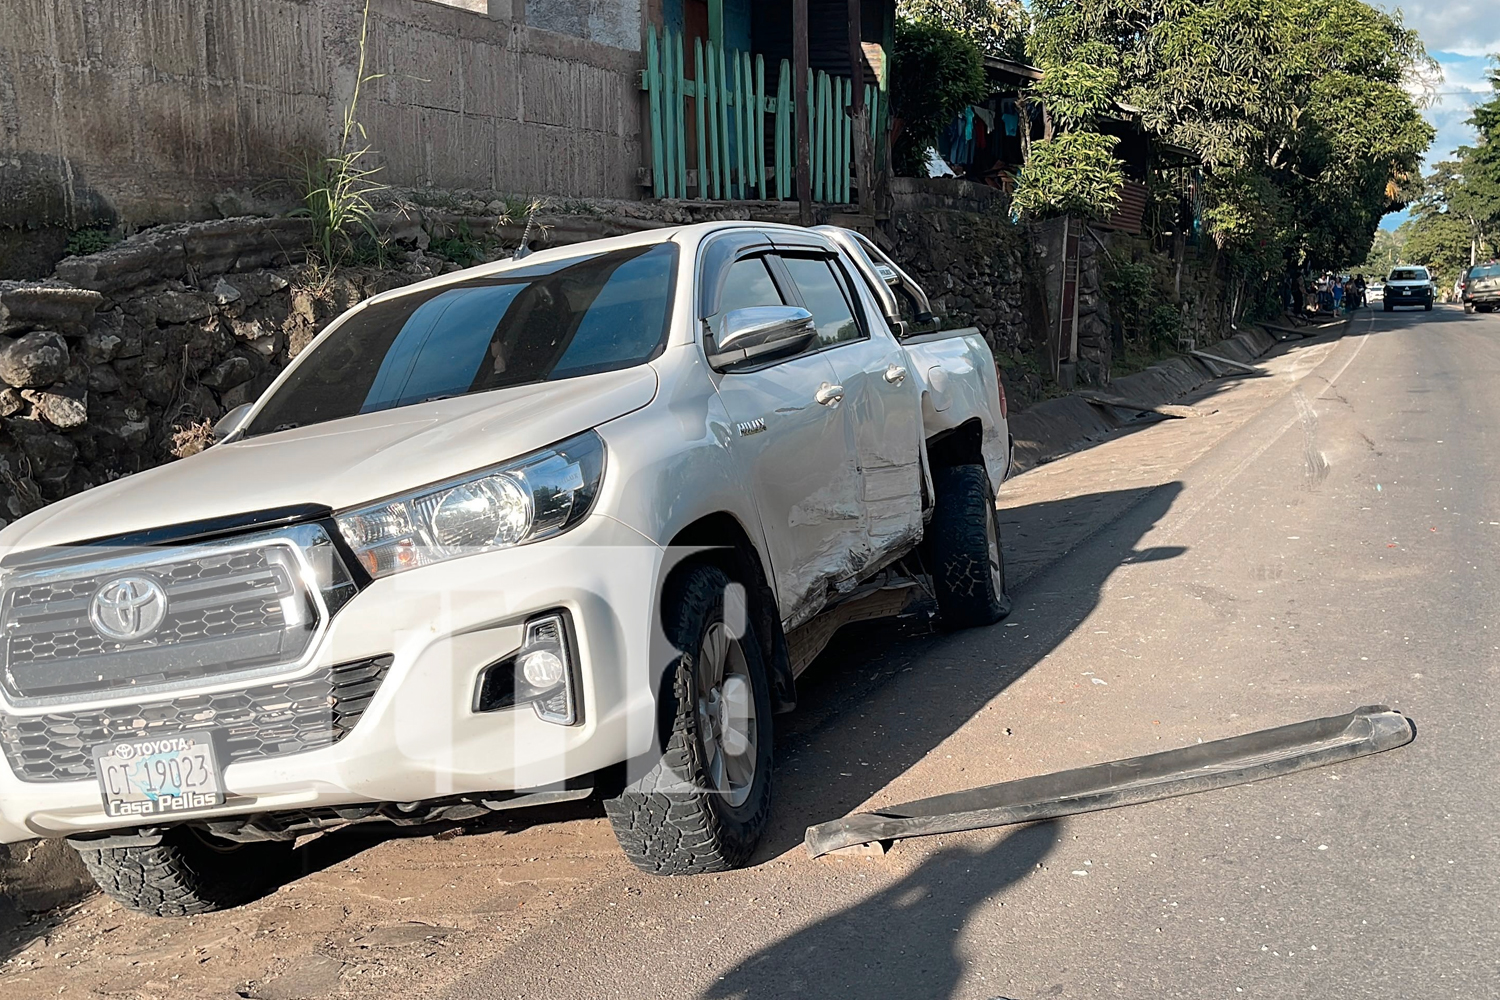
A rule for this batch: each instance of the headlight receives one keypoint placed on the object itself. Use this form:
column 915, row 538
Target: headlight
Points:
column 531, row 498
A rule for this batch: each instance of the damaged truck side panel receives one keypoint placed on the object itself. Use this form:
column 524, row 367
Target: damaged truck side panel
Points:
column 533, row 528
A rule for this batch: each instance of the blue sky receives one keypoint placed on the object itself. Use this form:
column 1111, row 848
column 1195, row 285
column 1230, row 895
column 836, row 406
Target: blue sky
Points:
column 1461, row 37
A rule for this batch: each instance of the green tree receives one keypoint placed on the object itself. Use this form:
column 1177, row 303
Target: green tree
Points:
column 1385, row 253
column 1072, row 173
column 997, row 26
column 935, row 73
column 1072, row 170
column 1296, row 108
column 1471, row 186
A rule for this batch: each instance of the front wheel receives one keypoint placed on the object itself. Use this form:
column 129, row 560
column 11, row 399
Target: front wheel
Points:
column 703, row 805
column 1427, row 306
column 1389, row 307
column 189, row 872
column 968, row 563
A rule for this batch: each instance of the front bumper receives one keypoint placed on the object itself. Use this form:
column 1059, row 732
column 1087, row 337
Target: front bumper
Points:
column 418, row 736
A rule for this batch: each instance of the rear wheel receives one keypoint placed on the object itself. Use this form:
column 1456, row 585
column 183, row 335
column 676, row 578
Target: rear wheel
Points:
column 968, row 563
column 189, row 872
column 703, row 806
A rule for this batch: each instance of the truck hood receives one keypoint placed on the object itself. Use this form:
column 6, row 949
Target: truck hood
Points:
column 341, row 463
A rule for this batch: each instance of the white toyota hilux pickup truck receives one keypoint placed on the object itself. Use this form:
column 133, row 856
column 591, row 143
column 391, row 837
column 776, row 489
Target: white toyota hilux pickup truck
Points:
column 562, row 526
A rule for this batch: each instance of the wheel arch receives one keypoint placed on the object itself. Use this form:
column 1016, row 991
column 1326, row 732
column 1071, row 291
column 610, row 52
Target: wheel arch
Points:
column 720, row 539
column 961, row 445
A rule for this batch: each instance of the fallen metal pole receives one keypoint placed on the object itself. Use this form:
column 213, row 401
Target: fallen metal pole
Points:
column 1198, row 768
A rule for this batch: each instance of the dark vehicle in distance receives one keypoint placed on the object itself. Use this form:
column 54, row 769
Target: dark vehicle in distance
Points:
column 1482, row 288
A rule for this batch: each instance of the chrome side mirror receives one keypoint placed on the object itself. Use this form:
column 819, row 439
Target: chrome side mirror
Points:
column 232, row 423
column 760, row 331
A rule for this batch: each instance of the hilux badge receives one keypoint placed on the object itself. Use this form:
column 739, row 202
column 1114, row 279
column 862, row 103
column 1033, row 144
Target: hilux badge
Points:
column 128, row 607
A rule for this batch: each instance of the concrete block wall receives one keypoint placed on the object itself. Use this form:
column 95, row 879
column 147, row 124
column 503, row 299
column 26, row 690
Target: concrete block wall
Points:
column 141, row 111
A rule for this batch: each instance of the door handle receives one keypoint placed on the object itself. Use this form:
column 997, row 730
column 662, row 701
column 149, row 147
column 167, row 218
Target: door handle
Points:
column 895, row 374
column 829, row 395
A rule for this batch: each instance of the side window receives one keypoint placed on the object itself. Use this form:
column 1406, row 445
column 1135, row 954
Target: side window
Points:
column 823, row 293
column 747, row 284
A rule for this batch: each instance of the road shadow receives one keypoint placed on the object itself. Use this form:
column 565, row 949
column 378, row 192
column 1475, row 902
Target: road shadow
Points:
column 900, row 942
column 886, row 694
column 19, row 930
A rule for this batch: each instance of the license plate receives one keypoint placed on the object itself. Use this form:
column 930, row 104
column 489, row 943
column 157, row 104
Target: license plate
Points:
column 157, row 777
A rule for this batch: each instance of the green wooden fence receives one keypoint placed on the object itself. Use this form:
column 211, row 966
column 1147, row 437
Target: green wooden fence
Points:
column 727, row 104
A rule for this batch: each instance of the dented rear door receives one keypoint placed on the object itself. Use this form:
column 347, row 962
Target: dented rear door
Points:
column 882, row 400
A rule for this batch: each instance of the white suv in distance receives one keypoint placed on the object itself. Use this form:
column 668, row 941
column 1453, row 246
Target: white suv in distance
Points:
column 1409, row 286
column 555, row 527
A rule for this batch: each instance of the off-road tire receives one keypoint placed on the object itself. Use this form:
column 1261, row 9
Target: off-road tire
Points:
column 968, row 595
column 670, row 821
column 189, row 873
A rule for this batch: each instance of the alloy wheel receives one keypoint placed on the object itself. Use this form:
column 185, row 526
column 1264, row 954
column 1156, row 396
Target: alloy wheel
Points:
column 726, row 715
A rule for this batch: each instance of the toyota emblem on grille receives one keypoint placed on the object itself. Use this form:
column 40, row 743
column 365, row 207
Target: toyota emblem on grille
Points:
column 128, row 607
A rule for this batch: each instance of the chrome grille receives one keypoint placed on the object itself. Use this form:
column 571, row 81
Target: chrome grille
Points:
column 270, row 720
column 241, row 606
column 206, row 623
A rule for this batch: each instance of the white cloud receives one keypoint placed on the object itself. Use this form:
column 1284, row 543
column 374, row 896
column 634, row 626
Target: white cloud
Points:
column 1465, row 83
column 1466, row 29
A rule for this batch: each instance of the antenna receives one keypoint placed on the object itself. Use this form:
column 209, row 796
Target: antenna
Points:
column 524, row 250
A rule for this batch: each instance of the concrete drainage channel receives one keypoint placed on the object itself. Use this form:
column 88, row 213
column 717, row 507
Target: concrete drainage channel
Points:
column 1056, row 427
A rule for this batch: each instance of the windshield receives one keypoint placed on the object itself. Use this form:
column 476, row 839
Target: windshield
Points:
column 1408, row 274
column 561, row 320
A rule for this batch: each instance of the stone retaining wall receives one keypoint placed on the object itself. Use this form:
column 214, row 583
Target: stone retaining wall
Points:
column 978, row 270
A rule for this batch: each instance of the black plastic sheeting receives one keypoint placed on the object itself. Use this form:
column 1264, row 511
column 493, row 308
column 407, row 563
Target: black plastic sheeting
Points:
column 1198, row 768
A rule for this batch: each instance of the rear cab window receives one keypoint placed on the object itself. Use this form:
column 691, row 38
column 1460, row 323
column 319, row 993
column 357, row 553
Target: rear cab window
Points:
column 563, row 319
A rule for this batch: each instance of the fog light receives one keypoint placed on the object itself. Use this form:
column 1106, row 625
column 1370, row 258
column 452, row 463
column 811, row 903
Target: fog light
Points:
column 541, row 674
column 542, row 668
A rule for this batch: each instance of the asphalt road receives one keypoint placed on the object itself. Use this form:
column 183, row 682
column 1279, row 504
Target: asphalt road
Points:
column 1338, row 548
column 1316, row 539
